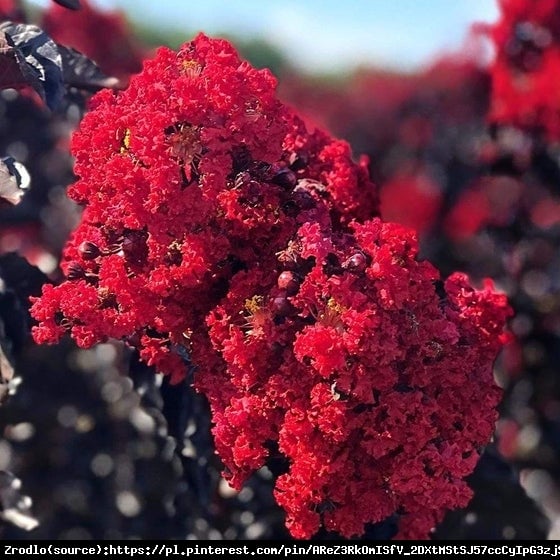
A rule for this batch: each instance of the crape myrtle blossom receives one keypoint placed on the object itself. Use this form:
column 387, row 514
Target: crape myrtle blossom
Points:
column 219, row 233
column 526, row 39
column 368, row 376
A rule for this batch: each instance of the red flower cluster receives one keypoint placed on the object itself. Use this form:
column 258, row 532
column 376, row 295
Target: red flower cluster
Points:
column 498, row 202
column 412, row 198
column 11, row 10
column 365, row 375
column 527, row 43
column 218, row 230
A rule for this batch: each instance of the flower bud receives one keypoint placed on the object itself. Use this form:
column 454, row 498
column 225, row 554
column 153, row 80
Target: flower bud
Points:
column 281, row 305
column 134, row 246
column 288, row 281
column 299, row 160
column 356, row 263
column 89, row 251
column 285, row 178
column 75, row 271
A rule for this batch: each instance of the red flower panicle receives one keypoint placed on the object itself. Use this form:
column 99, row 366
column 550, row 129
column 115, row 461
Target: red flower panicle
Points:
column 194, row 172
column 216, row 227
column 527, row 61
column 11, row 10
column 366, row 374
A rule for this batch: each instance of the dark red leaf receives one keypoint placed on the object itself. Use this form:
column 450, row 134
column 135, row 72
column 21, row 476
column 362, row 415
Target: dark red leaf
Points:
column 70, row 4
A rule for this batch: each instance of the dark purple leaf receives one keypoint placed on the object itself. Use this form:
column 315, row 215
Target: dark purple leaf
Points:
column 14, row 507
column 39, row 60
column 14, row 70
column 14, row 180
column 28, row 56
column 6, row 372
column 71, row 4
column 81, row 72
